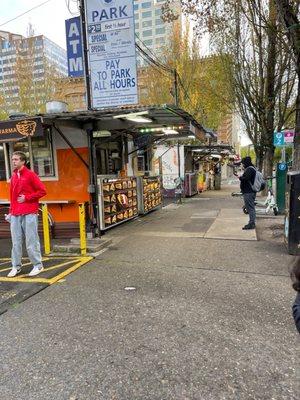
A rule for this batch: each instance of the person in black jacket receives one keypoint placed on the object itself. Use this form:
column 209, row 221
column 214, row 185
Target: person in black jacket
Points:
column 247, row 179
column 295, row 275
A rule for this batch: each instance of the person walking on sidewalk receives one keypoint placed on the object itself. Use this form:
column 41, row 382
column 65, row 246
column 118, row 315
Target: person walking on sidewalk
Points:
column 25, row 191
column 247, row 180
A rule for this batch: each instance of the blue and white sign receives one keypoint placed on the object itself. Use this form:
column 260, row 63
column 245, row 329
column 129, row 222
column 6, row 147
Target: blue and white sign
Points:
column 278, row 139
column 74, row 47
column 282, row 166
column 112, row 56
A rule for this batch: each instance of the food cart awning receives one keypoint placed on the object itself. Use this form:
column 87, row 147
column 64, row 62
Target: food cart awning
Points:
column 159, row 121
column 216, row 151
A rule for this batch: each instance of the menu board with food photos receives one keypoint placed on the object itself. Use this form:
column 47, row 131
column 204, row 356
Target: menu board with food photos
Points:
column 118, row 200
column 149, row 189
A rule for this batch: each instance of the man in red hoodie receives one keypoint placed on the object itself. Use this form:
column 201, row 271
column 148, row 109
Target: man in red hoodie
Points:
column 25, row 191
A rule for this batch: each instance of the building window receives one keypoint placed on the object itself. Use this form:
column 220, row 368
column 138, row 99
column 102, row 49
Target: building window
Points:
column 137, row 25
column 160, row 31
column 160, row 40
column 159, row 21
column 147, row 14
column 146, row 5
column 148, row 42
column 135, row 7
column 147, row 33
column 147, row 23
column 158, row 11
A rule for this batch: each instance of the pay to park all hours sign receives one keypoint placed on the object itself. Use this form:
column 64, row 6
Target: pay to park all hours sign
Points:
column 112, row 57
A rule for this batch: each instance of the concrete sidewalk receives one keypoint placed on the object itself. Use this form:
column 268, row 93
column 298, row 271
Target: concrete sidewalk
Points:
column 164, row 313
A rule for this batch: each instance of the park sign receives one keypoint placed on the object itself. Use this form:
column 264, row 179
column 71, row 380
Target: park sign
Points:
column 14, row 130
column 283, row 138
column 74, row 47
column 111, row 52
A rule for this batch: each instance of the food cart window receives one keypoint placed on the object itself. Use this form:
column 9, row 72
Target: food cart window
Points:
column 39, row 153
column 24, row 147
column 2, row 163
column 143, row 161
column 42, row 155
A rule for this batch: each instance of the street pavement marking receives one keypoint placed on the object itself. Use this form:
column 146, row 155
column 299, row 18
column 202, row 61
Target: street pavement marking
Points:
column 79, row 261
column 51, row 268
column 83, row 260
column 23, row 265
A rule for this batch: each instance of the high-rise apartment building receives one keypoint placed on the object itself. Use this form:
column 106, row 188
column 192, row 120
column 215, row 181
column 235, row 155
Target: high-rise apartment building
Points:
column 149, row 26
column 27, row 68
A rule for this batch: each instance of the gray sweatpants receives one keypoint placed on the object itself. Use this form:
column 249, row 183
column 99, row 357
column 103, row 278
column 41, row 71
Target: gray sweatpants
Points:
column 249, row 199
column 25, row 226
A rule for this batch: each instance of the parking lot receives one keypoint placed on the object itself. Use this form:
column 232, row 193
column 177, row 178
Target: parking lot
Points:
column 15, row 290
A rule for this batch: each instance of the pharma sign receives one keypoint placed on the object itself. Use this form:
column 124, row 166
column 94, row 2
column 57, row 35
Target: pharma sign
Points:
column 20, row 129
column 111, row 52
column 74, row 47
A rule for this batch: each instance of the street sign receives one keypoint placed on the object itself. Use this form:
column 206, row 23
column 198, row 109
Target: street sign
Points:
column 111, row 52
column 74, row 47
column 289, row 137
column 283, row 138
column 278, row 139
column 282, row 166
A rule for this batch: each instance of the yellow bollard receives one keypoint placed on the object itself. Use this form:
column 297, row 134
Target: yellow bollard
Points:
column 82, row 229
column 46, row 229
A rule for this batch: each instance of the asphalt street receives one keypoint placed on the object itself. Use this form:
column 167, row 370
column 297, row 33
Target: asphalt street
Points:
column 163, row 313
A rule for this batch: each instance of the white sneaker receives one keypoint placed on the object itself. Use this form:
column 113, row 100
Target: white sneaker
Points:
column 36, row 271
column 13, row 272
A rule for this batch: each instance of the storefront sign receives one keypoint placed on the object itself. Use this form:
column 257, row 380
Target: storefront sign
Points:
column 111, row 52
column 19, row 129
column 74, row 47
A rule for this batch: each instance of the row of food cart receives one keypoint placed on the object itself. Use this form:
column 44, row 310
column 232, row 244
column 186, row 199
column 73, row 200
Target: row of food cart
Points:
column 102, row 158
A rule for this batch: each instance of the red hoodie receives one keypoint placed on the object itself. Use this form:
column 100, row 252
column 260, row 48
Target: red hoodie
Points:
column 29, row 185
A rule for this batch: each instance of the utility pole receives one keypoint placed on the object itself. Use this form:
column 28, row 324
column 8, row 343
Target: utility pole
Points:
column 85, row 54
column 175, row 87
column 178, row 146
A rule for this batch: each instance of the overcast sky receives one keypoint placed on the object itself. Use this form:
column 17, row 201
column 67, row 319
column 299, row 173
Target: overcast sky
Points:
column 49, row 19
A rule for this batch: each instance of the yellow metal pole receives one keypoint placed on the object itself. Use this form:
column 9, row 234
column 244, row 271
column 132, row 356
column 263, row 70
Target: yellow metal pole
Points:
column 82, row 229
column 46, row 229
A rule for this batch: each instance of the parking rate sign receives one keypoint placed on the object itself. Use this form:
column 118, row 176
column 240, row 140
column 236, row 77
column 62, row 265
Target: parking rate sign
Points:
column 112, row 56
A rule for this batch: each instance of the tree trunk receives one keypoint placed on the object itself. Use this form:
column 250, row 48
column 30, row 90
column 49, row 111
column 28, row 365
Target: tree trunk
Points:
column 291, row 21
column 268, row 162
column 270, row 89
column 259, row 157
